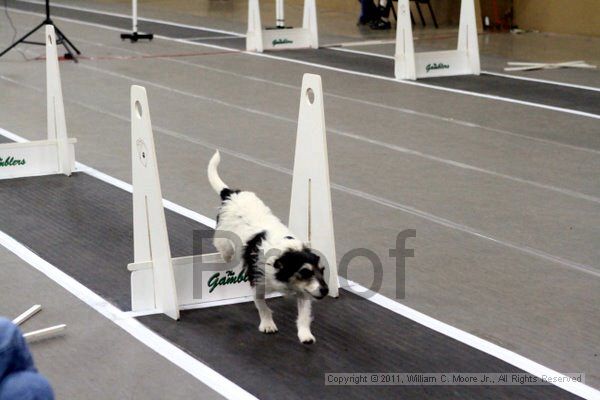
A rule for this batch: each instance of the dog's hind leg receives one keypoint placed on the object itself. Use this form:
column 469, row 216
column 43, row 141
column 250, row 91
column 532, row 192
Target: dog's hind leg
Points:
column 267, row 325
column 304, row 320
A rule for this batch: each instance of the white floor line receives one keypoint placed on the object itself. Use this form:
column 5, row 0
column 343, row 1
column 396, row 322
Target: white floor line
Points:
column 127, row 187
column 457, row 164
column 174, row 354
column 221, row 384
column 199, row 38
column 364, row 53
column 526, row 78
column 453, row 121
column 373, row 42
column 485, row 346
column 356, row 73
column 128, row 16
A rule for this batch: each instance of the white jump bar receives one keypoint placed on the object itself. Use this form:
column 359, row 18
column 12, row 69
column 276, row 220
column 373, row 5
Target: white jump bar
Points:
column 42, row 333
column 27, row 314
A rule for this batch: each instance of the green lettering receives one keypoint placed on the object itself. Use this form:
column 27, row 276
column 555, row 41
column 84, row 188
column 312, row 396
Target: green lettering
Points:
column 281, row 41
column 10, row 161
column 213, row 282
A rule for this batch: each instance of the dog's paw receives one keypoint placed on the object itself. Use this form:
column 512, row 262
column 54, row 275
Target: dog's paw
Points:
column 306, row 337
column 227, row 256
column 267, row 327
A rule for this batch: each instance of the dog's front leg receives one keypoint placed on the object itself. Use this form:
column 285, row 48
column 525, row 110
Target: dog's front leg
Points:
column 267, row 325
column 225, row 247
column 304, row 320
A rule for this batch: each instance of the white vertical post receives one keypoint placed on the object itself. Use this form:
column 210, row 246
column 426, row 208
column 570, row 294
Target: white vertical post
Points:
column 134, row 16
column 309, row 22
column 311, row 216
column 467, row 35
column 405, row 51
column 57, row 125
column 254, row 40
column 150, row 237
column 279, row 14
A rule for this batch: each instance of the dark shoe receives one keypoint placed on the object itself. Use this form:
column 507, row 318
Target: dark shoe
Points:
column 364, row 21
column 381, row 25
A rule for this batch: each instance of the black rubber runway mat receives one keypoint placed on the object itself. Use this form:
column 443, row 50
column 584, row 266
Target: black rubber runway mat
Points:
column 234, row 43
column 84, row 227
column 341, row 59
column 519, row 89
column 535, row 92
column 353, row 335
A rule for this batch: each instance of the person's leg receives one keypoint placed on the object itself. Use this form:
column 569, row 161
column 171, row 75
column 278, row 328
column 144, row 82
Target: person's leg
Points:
column 384, row 7
column 18, row 377
column 383, row 22
column 14, row 354
column 25, row 385
column 368, row 12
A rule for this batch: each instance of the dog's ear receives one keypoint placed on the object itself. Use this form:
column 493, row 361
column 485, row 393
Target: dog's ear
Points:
column 311, row 257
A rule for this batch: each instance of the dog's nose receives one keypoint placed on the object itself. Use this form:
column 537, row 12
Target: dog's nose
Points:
column 324, row 291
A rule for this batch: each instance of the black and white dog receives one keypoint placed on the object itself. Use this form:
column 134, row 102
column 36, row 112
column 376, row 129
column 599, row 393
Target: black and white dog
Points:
column 272, row 256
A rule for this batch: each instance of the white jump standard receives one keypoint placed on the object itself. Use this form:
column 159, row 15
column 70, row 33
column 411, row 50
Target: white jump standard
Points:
column 462, row 61
column 162, row 284
column 134, row 36
column 56, row 154
column 259, row 39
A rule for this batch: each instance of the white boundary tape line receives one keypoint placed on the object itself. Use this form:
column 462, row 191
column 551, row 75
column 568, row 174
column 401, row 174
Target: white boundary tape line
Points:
column 501, row 353
column 329, row 68
column 526, row 78
column 364, row 53
column 375, row 42
column 191, row 365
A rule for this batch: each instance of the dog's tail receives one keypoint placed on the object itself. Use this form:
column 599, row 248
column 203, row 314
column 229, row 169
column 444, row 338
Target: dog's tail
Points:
column 213, row 176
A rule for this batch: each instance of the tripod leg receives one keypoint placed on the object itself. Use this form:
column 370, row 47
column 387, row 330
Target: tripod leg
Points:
column 69, row 54
column 420, row 13
column 22, row 39
column 62, row 35
column 432, row 15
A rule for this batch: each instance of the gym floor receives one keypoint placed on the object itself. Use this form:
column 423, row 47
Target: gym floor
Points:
column 504, row 196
